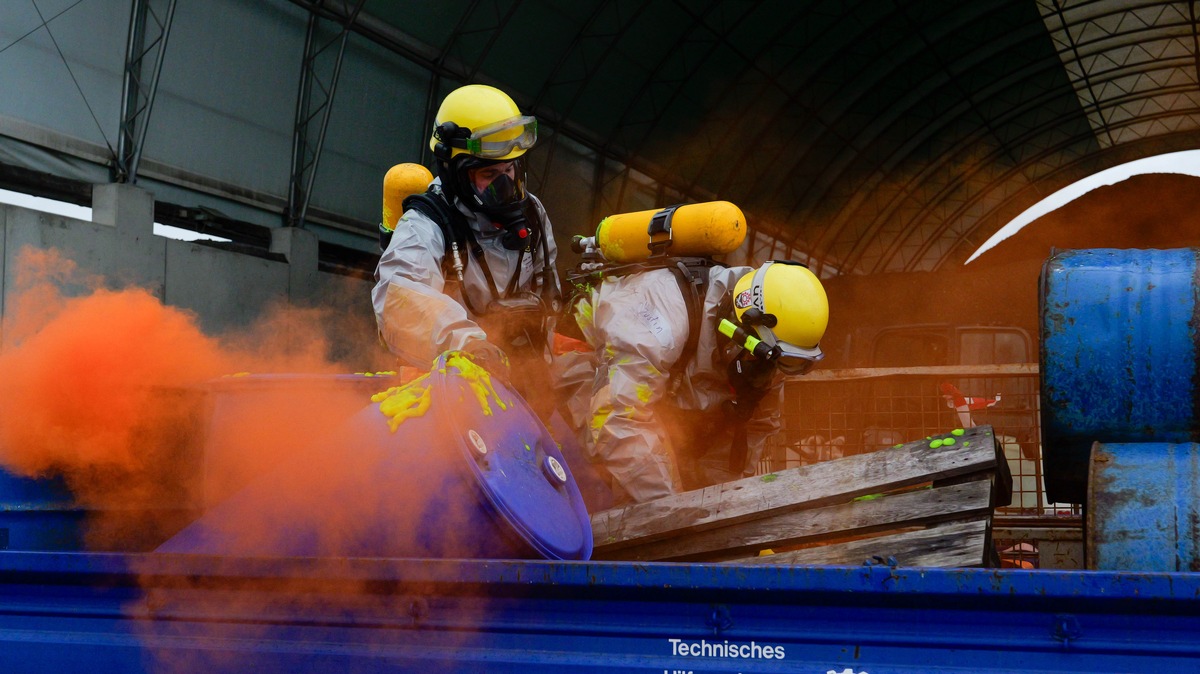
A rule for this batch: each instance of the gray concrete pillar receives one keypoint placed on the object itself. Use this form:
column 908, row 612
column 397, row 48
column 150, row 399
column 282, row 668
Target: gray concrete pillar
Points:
column 140, row 256
column 126, row 207
column 299, row 247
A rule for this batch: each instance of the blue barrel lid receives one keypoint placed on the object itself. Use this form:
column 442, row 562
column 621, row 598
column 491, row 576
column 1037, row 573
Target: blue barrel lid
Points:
column 519, row 468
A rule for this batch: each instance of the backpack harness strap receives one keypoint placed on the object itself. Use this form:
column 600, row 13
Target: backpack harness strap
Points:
column 457, row 234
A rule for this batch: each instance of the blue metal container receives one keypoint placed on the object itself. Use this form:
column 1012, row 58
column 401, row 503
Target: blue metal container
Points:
column 126, row 614
column 134, row 513
column 39, row 514
column 1118, row 356
column 468, row 478
column 1144, row 507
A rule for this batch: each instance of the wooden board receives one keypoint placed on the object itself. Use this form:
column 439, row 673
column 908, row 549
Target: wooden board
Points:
column 806, row 487
column 889, row 512
column 954, row 544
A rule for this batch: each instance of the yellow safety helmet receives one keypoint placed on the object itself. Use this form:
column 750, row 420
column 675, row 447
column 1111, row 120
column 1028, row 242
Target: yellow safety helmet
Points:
column 477, row 126
column 483, row 122
column 785, row 304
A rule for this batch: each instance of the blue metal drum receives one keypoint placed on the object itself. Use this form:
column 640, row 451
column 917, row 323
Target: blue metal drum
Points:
column 39, row 514
column 1118, row 356
column 1144, row 507
column 468, row 472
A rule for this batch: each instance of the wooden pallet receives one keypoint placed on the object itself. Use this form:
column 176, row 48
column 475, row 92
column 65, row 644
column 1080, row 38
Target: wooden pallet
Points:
column 922, row 503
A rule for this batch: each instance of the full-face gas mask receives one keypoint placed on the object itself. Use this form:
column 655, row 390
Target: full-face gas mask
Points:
column 496, row 189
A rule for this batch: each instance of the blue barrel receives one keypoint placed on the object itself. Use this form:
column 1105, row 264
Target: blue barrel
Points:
column 467, row 477
column 39, row 514
column 246, row 411
column 129, row 509
column 1118, row 356
column 1144, row 507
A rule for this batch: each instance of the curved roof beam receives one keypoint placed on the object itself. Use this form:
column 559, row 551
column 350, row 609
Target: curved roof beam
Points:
column 937, row 234
column 838, row 176
column 1103, row 108
column 849, row 212
column 760, row 139
column 720, row 36
column 643, row 91
column 769, row 80
column 137, row 99
column 1079, row 168
column 583, row 36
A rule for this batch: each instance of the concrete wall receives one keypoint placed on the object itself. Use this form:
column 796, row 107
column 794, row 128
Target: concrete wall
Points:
column 226, row 290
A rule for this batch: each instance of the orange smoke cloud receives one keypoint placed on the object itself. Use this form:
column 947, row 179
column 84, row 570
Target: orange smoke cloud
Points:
column 112, row 391
column 156, row 426
column 74, row 389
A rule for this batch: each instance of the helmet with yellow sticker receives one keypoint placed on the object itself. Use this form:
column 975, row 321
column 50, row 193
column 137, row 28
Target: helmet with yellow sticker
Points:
column 785, row 305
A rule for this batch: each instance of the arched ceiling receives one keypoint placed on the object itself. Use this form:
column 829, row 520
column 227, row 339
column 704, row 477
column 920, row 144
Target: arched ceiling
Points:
column 872, row 136
column 861, row 136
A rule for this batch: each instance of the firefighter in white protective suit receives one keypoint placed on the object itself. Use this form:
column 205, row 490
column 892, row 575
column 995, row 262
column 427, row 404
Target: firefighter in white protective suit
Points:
column 470, row 266
column 688, row 389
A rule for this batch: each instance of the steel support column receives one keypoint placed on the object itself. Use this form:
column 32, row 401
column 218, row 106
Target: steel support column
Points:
column 314, row 102
column 148, row 32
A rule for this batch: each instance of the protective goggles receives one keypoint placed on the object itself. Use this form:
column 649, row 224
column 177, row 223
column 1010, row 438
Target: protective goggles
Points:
column 790, row 358
column 476, row 144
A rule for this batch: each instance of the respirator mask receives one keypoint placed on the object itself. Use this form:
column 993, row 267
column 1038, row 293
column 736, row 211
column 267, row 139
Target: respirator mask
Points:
column 497, row 190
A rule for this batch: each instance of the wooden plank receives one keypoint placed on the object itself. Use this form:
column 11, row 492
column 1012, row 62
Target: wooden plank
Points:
column 890, row 512
column 1001, row 479
column 1037, row 534
column 805, row 487
column 953, row 544
column 849, row 374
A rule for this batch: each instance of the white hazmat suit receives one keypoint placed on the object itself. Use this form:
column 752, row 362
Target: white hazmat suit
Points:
column 421, row 313
column 643, row 424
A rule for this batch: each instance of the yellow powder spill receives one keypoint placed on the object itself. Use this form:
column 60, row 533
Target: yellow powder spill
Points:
column 478, row 379
column 404, row 402
column 400, row 403
column 583, row 315
column 599, row 419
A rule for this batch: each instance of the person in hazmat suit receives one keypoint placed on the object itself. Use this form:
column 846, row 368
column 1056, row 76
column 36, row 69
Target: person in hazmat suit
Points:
column 690, row 371
column 470, row 266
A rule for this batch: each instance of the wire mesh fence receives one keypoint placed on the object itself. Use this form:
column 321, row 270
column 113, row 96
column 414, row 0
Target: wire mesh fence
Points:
column 832, row 414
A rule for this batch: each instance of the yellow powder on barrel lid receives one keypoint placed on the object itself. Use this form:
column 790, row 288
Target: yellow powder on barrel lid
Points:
column 412, row 399
column 400, row 403
column 478, row 379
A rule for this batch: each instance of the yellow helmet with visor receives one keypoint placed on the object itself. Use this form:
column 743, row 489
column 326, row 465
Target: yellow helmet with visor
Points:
column 785, row 305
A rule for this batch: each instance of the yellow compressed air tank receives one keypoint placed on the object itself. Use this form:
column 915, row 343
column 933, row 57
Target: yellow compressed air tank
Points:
column 705, row 229
column 401, row 181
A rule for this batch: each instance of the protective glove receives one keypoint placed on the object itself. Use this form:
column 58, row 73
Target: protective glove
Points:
column 750, row 378
column 489, row 357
